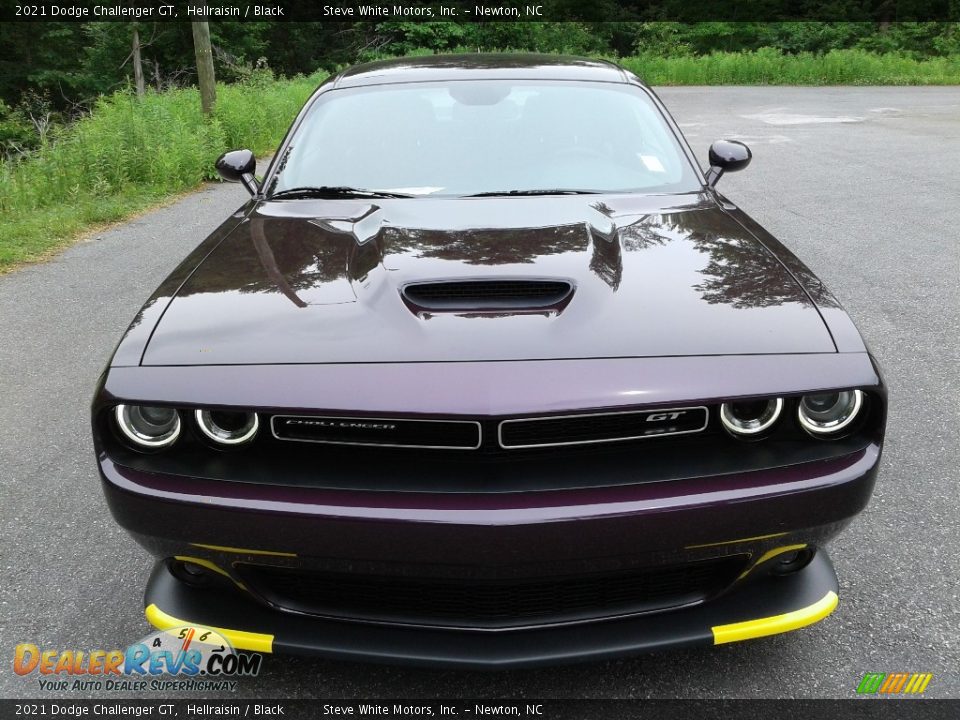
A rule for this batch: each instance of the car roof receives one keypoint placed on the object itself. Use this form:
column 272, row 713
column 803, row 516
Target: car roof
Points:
column 487, row 66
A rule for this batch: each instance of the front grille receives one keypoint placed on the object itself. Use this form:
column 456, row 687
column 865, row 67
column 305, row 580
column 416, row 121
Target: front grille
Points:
column 491, row 435
column 383, row 432
column 490, row 603
column 601, row 427
column 480, row 295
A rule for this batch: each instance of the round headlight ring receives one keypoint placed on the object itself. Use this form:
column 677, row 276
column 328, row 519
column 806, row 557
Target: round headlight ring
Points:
column 753, row 426
column 148, row 427
column 833, row 419
column 207, row 422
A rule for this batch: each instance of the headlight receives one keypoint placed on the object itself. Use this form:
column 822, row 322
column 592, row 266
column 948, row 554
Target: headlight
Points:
column 829, row 413
column 227, row 427
column 148, row 427
column 750, row 417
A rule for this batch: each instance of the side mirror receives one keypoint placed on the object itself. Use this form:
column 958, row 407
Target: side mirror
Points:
column 239, row 166
column 727, row 156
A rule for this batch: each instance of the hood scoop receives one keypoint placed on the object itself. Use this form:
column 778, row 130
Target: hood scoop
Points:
column 515, row 295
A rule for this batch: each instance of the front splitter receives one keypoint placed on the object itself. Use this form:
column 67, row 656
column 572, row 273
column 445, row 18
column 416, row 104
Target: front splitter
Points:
column 764, row 607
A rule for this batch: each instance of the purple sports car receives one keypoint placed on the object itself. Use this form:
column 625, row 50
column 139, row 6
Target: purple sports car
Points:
column 487, row 373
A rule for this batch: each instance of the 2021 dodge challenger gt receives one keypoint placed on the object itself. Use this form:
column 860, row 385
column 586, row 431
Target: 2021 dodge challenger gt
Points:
column 487, row 373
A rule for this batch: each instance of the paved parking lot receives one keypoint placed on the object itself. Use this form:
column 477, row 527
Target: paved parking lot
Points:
column 862, row 183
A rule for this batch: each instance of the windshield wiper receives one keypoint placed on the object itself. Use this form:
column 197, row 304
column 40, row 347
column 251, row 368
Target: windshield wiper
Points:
column 560, row 191
column 338, row 191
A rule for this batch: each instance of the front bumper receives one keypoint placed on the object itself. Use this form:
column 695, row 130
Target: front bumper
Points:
column 760, row 515
column 556, row 532
column 767, row 607
column 639, row 515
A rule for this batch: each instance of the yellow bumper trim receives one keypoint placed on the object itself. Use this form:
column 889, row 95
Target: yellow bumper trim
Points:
column 240, row 639
column 735, row 542
column 769, row 554
column 210, row 565
column 243, row 551
column 735, row 632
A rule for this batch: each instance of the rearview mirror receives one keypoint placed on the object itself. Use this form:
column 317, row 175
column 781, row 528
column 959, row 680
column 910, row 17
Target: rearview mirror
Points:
column 727, row 156
column 239, row 166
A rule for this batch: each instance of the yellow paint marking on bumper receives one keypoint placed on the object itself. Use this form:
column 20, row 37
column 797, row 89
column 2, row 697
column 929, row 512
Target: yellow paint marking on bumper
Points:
column 734, row 542
column 749, row 629
column 243, row 551
column 771, row 554
column 240, row 639
column 210, row 565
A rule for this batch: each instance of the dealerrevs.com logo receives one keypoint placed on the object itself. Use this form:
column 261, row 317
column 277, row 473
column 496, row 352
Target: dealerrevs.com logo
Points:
column 199, row 658
column 894, row 683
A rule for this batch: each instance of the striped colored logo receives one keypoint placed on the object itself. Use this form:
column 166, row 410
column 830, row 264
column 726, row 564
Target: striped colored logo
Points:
column 894, row 683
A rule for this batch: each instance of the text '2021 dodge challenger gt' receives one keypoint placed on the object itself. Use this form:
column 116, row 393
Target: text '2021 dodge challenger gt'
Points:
column 487, row 373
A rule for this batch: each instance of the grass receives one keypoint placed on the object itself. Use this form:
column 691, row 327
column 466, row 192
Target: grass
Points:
column 130, row 154
column 768, row 66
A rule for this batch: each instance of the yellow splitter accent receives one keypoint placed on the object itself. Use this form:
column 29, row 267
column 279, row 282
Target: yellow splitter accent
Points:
column 242, row 551
column 734, row 632
column 240, row 639
column 776, row 624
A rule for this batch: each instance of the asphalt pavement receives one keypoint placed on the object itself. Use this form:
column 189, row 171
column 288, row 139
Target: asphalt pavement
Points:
column 861, row 183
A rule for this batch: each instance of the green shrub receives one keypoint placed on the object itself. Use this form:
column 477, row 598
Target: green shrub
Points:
column 17, row 135
column 130, row 152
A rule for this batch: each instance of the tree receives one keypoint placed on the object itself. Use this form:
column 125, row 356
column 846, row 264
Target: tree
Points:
column 205, row 75
column 137, row 62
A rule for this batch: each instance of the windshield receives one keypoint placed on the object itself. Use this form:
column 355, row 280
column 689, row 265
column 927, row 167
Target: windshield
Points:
column 485, row 137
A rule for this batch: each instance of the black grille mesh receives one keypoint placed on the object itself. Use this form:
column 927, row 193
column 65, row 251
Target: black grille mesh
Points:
column 487, row 435
column 388, row 432
column 491, row 602
column 601, row 427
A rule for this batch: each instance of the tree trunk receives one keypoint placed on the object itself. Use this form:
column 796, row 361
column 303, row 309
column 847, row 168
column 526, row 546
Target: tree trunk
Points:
column 137, row 64
column 205, row 77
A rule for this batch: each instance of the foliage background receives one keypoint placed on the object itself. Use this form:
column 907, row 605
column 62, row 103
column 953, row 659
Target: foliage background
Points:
column 78, row 147
column 71, row 63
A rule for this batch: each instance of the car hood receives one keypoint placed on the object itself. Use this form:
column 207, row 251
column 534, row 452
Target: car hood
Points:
column 320, row 282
